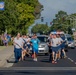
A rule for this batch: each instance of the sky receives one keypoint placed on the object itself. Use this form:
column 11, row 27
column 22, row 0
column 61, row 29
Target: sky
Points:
column 51, row 7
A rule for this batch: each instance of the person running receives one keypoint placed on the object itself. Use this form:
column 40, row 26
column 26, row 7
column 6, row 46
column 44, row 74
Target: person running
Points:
column 34, row 43
column 32, row 47
column 18, row 47
column 55, row 47
column 49, row 44
column 28, row 43
column 24, row 46
column 25, row 52
column 63, row 53
column 60, row 42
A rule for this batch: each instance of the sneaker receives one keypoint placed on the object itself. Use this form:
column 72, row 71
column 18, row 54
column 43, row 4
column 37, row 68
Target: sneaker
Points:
column 35, row 59
column 55, row 62
column 65, row 56
column 58, row 59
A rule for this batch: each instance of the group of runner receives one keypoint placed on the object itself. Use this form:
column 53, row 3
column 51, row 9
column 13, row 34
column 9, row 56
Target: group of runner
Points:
column 22, row 47
column 56, row 47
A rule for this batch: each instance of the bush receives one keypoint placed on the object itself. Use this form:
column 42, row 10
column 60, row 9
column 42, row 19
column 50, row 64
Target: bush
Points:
column 10, row 43
column 1, row 42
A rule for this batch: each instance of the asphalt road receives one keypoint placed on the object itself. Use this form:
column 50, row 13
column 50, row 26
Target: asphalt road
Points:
column 65, row 66
column 38, row 73
column 43, row 61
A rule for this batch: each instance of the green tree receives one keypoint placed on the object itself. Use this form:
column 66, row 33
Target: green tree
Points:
column 62, row 22
column 40, row 28
column 18, row 15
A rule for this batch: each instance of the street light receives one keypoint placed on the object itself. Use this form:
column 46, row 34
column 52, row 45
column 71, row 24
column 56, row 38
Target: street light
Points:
column 42, row 19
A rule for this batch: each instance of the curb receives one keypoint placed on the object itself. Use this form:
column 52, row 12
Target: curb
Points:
column 6, row 55
column 4, row 63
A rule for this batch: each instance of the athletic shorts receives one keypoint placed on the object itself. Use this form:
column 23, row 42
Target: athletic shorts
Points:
column 35, row 50
column 55, row 49
column 62, row 45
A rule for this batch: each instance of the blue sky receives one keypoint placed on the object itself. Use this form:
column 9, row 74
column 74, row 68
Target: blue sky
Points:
column 51, row 7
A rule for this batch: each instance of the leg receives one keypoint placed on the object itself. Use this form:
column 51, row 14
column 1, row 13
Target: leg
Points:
column 35, row 54
column 53, row 56
column 19, row 54
column 56, row 58
column 16, row 55
column 22, row 55
column 64, row 53
column 59, row 53
column 50, row 52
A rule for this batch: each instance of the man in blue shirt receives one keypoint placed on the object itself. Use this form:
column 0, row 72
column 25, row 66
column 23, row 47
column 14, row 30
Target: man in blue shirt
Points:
column 35, row 43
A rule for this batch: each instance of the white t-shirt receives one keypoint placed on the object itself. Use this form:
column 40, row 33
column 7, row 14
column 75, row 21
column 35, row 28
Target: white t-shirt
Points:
column 28, row 40
column 60, row 40
column 55, row 42
column 19, row 41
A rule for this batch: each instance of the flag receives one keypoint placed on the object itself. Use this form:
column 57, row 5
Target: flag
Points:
column 1, row 5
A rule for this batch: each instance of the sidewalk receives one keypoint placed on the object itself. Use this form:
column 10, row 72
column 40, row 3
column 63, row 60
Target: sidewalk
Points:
column 6, row 53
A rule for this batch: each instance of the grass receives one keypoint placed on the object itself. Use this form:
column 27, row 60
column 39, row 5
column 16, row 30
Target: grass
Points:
column 2, row 47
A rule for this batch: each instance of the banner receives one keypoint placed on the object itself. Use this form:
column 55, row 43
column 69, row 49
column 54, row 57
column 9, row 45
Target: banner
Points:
column 1, row 5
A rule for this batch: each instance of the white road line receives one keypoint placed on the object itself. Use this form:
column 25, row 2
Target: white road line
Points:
column 39, row 68
column 71, row 60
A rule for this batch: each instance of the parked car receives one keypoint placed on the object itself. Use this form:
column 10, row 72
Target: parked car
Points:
column 43, row 46
column 70, row 42
column 75, row 43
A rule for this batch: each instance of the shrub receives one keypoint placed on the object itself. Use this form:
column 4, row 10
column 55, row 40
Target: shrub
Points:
column 1, row 42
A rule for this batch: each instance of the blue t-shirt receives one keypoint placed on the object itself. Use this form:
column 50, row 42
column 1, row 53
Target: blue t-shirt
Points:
column 35, row 43
column 9, row 38
column 63, row 37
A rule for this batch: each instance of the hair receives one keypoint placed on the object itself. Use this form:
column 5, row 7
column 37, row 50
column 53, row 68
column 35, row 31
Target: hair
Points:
column 35, row 35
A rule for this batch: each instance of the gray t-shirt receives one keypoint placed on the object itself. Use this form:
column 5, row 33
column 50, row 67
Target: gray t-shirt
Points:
column 54, row 42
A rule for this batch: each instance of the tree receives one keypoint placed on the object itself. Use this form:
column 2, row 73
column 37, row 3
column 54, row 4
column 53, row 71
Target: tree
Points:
column 18, row 15
column 62, row 22
column 40, row 28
